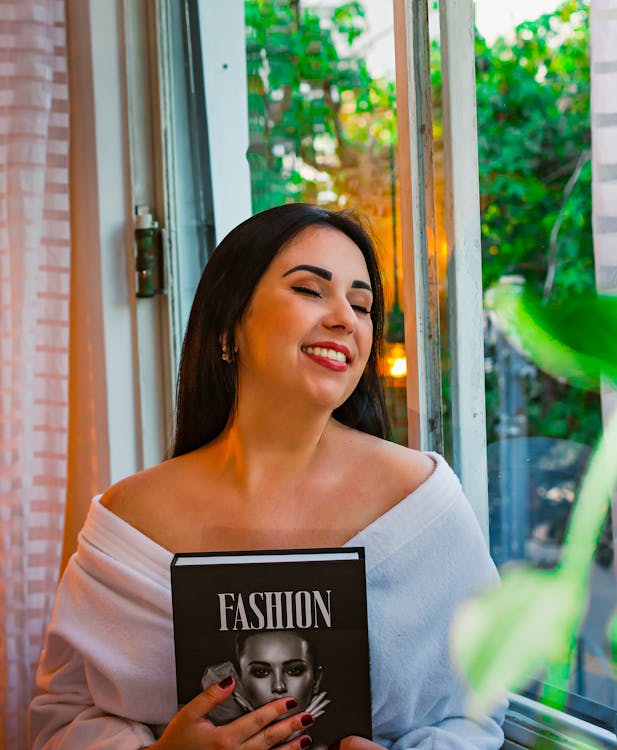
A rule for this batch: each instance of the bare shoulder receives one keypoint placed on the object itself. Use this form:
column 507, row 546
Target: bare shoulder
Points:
column 123, row 497
column 139, row 499
column 395, row 468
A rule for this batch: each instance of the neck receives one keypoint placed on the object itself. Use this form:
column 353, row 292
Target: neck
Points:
column 262, row 448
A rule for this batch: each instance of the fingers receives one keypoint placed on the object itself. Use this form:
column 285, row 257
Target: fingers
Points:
column 354, row 742
column 205, row 701
column 284, row 729
column 263, row 728
column 246, row 726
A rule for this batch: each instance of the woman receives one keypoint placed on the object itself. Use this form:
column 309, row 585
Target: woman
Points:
column 279, row 444
column 270, row 664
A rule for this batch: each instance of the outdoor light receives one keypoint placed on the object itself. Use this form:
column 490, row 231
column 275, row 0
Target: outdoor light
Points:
column 395, row 361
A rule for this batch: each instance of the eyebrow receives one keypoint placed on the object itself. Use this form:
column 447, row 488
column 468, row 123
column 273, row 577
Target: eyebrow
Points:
column 327, row 275
column 258, row 662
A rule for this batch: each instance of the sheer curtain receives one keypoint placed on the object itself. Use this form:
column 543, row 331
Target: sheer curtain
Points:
column 34, row 330
column 604, row 163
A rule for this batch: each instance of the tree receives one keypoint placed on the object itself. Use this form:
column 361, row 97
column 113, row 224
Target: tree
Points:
column 323, row 130
column 535, row 184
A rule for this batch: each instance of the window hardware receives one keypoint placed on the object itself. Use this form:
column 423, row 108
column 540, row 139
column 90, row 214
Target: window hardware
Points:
column 148, row 258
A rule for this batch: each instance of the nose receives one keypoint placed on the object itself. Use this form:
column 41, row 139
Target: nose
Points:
column 341, row 315
column 278, row 682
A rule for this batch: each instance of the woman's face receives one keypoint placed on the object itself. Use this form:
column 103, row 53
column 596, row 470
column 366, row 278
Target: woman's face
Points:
column 276, row 665
column 308, row 330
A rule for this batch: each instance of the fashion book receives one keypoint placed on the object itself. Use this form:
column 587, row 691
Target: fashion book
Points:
column 282, row 623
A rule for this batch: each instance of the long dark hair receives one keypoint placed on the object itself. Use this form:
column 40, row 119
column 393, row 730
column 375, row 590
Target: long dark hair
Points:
column 206, row 393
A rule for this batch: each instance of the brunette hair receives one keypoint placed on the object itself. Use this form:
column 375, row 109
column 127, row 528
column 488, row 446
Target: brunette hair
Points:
column 206, row 395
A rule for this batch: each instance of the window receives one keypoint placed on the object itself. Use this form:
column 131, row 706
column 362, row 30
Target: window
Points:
column 535, row 185
column 323, row 129
column 322, row 119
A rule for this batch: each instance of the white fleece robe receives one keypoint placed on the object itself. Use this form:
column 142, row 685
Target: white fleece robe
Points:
column 106, row 680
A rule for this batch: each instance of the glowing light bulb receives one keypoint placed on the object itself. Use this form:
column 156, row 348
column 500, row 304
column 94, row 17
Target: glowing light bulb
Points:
column 395, row 361
column 398, row 367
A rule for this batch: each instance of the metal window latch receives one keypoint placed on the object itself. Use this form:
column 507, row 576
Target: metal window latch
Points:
column 148, row 259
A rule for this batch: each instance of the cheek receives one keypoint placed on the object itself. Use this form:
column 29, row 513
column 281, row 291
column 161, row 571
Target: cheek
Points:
column 258, row 690
column 301, row 687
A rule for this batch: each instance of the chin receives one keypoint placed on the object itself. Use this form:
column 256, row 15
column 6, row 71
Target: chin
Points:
column 327, row 395
column 328, row 401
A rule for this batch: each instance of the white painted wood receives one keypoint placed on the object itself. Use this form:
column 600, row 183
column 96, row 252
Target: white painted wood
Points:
column 101, row 229
column 155, row 393
column 224, row 60
column 167, row 203
column 603, row 19
column 417, row 197
column 465, row 267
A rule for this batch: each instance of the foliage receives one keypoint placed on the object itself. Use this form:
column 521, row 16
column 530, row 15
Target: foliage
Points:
column 533, row 134
column 323, row 130
column 317, row 117
column 531, row 621
column 533, row 126
column 573, row 340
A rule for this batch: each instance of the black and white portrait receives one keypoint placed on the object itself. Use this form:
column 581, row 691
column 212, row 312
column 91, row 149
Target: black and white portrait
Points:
column 269, row 664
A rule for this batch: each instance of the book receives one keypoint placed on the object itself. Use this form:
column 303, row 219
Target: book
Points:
column 282, row 622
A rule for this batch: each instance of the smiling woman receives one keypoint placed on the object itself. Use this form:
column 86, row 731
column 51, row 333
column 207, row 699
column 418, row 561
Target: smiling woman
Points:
column 279, row 445
column 229, row 299
column 325, row 309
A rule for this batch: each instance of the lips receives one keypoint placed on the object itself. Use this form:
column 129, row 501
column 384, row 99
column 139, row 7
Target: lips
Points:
column 328, row 354
column 322, row 348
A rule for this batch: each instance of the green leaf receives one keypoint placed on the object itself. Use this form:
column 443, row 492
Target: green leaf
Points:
column 611, row 632
column 502, row 638
column 575, row 340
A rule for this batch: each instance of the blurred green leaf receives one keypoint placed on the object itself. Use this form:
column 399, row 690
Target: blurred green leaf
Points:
column 500, row 639
column 611, row 632
column 573, row 340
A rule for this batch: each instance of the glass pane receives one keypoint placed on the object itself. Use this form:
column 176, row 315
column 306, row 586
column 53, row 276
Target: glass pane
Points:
column 535, row 183
column 323, row 129
column 192, row 190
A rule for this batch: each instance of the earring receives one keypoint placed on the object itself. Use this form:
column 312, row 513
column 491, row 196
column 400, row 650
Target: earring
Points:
column 226, row 356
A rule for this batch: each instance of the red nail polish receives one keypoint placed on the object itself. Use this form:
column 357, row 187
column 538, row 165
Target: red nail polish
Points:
column 307, row 720
column 226, row 682
column 305, row 742
column 291, row 703
column 335, row 746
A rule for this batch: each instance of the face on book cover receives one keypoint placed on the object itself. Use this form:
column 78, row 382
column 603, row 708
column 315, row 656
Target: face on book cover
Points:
column 278, row 664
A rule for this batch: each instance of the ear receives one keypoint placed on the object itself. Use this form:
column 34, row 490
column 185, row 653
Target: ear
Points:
column 318, row 674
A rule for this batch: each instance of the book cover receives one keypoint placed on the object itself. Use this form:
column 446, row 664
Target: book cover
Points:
column 283, row 623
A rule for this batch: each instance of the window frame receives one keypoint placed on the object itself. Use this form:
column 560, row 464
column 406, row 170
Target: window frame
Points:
column 464, row 273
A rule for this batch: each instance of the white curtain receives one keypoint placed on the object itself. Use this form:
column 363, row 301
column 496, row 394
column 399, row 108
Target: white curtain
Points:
column 34, row 315
column 604, row 156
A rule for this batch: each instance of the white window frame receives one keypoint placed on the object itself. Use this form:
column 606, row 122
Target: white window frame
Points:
column 465, row 317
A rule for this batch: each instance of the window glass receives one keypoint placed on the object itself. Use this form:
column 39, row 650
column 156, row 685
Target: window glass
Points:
column 323, row 129
column 534, row 141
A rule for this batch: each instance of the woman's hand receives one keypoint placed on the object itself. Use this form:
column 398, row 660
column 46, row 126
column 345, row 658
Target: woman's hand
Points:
column 190, row 730
column 353, row 742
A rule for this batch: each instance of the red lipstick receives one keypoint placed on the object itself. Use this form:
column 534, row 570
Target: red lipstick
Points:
column 324, row 361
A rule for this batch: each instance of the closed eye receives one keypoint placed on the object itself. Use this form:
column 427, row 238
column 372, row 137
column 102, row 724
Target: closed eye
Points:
column 362, row 310
column 306, row 290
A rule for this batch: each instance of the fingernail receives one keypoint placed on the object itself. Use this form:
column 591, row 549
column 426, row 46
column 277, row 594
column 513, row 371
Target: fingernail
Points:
column 291, row 703
column 226, row 682
column 305, row 742
column 335, row 746
column 307, row 720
